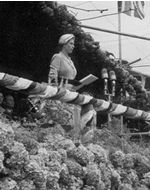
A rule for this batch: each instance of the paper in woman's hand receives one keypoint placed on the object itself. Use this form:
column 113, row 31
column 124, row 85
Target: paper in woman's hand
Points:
column 74, row 82
column 86, row 81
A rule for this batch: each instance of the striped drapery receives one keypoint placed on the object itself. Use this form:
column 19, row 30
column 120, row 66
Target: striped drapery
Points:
column 44, row 90
column 132, row 8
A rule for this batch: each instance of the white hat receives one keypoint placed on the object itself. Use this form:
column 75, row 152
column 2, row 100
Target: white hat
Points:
column 65, row 38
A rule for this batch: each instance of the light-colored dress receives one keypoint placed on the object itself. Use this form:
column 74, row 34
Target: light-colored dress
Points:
column 62, row 66
column 66, row 114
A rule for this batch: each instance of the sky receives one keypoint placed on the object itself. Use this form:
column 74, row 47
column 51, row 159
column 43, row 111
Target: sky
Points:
column 132, row 48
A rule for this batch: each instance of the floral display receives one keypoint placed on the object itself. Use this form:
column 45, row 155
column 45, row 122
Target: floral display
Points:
column 43, row 155
column 67, row 167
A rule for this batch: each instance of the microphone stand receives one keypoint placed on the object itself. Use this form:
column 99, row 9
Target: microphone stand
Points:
column 121, row 117
column 109, row 95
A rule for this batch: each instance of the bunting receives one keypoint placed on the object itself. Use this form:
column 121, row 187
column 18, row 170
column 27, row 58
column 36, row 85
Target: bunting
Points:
column 43, row 90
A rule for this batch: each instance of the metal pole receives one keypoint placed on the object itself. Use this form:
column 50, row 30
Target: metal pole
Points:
column 119, row 37
column 120, row 59
column 134, row 61
column 121, row 119
column 109, row 116
column 114, row 32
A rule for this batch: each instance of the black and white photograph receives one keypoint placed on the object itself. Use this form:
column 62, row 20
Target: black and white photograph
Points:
column 75, row 95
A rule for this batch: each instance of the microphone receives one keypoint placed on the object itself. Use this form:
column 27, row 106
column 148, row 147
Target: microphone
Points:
column 112, row 77
column 104, row 74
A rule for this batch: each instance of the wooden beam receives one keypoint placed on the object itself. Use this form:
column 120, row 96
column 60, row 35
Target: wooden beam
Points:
column 114, row 32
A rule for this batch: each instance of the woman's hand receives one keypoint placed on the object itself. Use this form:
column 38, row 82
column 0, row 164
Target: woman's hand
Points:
column 53, row 75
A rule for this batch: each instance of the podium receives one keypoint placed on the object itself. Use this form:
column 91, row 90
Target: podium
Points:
column 77, row 124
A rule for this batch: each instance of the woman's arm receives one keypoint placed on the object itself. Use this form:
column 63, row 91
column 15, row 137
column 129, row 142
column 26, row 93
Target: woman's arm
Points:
column 54, row 69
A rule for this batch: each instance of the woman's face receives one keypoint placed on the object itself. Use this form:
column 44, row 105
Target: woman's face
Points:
column 69, row 46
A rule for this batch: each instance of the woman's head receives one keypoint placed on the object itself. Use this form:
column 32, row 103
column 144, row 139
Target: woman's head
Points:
column 66, row 43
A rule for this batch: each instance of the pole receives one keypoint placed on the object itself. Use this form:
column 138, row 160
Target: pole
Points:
column 114, row 32
column 119, row 37
column 137, row 60
column 140, row 66
column 120, row 59
column 109, row 116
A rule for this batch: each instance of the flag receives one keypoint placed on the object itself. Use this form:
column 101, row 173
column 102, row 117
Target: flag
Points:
column 132, row 8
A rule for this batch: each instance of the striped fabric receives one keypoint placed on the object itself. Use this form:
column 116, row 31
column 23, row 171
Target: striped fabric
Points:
column 132, row 8
column 20, row 84
column 35, row 89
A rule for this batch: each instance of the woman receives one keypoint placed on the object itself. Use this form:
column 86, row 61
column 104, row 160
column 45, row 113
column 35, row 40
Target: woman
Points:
column 62, row 68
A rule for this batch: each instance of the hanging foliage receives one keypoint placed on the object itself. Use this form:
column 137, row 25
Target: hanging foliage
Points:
column 29, row 35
